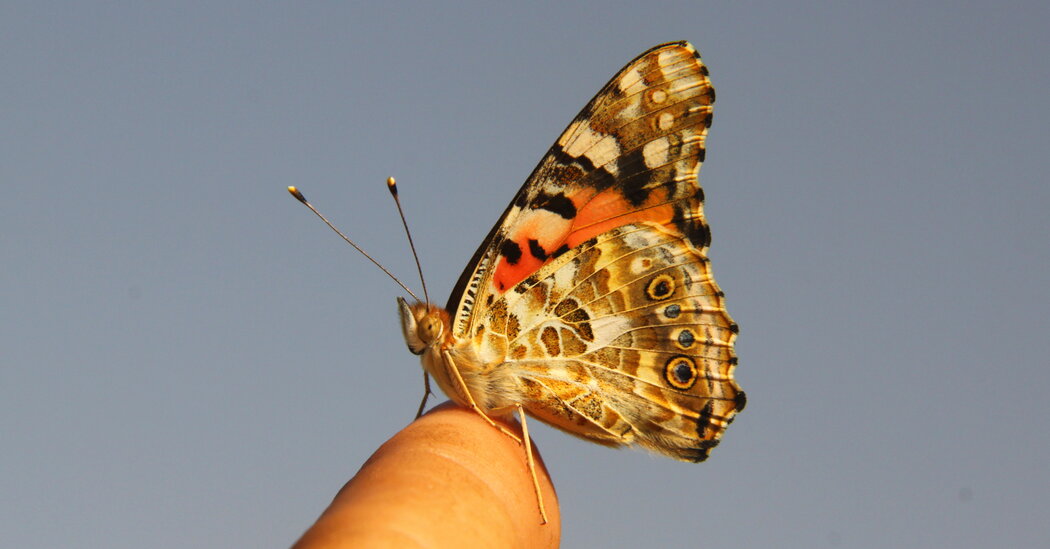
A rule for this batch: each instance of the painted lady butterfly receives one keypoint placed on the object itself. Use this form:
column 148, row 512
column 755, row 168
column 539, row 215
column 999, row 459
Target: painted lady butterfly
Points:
column 591, row 304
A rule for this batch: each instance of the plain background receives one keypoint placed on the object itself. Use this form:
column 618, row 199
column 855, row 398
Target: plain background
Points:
column 190, row 359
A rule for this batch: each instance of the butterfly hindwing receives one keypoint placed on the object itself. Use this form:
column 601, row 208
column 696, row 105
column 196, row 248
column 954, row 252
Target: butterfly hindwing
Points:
column 624, row 340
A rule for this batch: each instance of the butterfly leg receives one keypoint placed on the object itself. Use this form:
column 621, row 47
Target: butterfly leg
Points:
column 471, row 403
column 531, row 463
column 426, row 393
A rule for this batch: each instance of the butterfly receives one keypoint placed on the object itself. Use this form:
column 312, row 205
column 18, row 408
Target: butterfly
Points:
column 591, row 305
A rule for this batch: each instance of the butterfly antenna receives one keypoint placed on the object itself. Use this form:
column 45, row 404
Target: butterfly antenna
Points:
column 392, row 185
column 299, row 196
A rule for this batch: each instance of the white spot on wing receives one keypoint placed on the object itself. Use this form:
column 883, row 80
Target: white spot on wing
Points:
column 686, row 86
column 630, row 78
column 599, row 148
column 655, row 153
column 641, row 264
column 665, row 120
column 669, row 58
column 564, row 277
column 607, row 328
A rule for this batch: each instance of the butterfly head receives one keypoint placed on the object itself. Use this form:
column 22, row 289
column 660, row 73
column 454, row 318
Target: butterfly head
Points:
column 423, row 325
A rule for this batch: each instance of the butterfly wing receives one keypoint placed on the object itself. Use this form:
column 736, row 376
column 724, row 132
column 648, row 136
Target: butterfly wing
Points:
column 623, row 340
column 594, row 287
column 633, row 153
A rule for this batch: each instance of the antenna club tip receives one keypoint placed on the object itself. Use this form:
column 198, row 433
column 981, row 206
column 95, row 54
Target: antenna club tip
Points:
column 391, row 184
column 298, row 195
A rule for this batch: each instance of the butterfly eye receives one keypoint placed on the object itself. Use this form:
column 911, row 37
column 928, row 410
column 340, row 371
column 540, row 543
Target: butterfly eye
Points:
column 680, row 372
column 430, row 329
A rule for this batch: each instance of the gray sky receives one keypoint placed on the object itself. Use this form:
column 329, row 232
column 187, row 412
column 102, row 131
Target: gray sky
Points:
column 189, row 359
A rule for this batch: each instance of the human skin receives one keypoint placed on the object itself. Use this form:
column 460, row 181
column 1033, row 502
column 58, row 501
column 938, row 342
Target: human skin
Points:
column 448, row 479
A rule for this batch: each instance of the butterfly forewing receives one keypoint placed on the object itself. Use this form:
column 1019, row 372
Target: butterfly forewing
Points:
column 631, row 154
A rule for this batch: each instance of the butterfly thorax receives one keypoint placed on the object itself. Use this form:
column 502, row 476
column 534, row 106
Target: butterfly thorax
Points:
column 448, row 359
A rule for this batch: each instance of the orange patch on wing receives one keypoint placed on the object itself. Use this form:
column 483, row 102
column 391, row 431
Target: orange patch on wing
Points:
column 596, row 213
column 507, row 275
column 610, row 209
column 547, row 229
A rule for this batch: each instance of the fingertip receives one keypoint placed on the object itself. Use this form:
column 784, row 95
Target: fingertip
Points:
column 498, row 461
column 447, row 479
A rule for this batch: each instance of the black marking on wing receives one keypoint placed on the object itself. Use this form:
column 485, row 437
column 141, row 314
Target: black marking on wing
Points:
column 536, row 250
column 511, row 251
column 703, row 421
column 556, row 203
column 636, row 189
column 740, row 400
column 558, row 153
column 692, row 227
